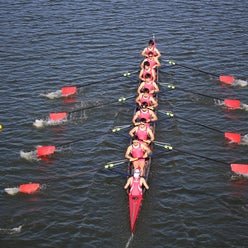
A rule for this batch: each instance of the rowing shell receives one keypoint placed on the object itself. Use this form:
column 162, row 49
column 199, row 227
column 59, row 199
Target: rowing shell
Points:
column 135, row 202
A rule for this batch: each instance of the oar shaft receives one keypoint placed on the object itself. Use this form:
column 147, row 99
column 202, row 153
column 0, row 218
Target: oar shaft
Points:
column 197, row 155
column 121, row 99
column 106, row 80
column 168, row 146
column 193, row 68
column 70, row 142
column 199, row 124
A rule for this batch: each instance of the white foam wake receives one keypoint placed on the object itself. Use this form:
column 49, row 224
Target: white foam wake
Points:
column 11, row 231
column 40, row 123
column 53, row 95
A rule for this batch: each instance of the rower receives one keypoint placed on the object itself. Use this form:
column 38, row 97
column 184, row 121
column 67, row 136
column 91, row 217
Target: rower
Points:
column 148, row 98
column 149, row 84
column 154, row 62
column 146, row 113
column 147, row 69
column 136, row 182
column 137, row 153
column 151, row 48
column 143, row 132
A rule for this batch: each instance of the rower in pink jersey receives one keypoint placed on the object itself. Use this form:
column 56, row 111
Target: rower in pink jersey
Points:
column 136, row 183
column 149, row 84
column 145, row 70
column 145, row 113
column 143, row 133
column 151, row 48
column 148, row 98
column 153, row 61
column 137, row 153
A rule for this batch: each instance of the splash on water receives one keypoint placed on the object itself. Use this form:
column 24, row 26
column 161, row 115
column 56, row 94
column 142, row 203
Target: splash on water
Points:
column 244, row 140
column 244, row 106
column 40, row 123
column 30, row 156
column 11, row 231
column 53, row 95
column 239, row 82
column 11, row 191
column 219, row 102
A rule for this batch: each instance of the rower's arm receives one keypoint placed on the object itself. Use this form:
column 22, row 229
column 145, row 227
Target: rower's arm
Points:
column 151, row 135
column 128, row 152
column 144, row 183
column 140, row 88
column 154, row 117
column 132, row 132
column 128, row 183
column 135, row 117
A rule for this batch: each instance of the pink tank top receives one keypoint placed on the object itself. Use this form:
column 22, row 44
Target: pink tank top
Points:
column 152, row 62
column 135, row 188
column 145, row 99
column 142, row 133
column 150, row 71
column 137, row 152
column 145, row 114
column 149, row 85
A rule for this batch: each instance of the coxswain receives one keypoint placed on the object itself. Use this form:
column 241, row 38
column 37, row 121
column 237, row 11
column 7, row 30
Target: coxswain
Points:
column 145, row 113
column 148, row 98
column 137, row 153
column 149, row 84
column 143, row 132
column 151, row 48
column 136, row 182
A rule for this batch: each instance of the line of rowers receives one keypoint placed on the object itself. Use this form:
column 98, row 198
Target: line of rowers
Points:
column 142, row 133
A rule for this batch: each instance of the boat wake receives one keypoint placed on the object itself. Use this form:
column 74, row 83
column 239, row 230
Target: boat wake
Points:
column 129, row 241
column 239, row 82
column 244, row 106
column 244, row 140
column 11, row 231
column 53, row 95
column 30, row 156
column 40, row 123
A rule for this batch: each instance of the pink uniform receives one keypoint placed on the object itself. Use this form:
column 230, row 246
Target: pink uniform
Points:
column 142, row 133
column 135, row 187
column 150, row 71
column 146, row 99
column 145, row 114
column 148, row 49
column 137, row 152
column 149, row 86
column 151, row 61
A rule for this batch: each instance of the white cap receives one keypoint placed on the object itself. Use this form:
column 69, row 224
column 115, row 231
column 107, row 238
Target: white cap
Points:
column 136, row 173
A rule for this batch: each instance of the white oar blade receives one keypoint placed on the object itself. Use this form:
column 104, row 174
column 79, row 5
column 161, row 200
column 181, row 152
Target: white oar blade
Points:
column 11, row 191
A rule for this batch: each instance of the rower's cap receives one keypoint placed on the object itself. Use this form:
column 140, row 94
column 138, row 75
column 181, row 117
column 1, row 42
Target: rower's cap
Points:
column 136, row 174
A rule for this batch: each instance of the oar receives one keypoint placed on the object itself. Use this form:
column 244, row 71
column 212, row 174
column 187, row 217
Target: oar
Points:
column 28, row 188
column 222, row 78
column 48, row 150
column 61, row 116
column 234, row 137
column 71, row 90
column 229, row 103
column 241, row 169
